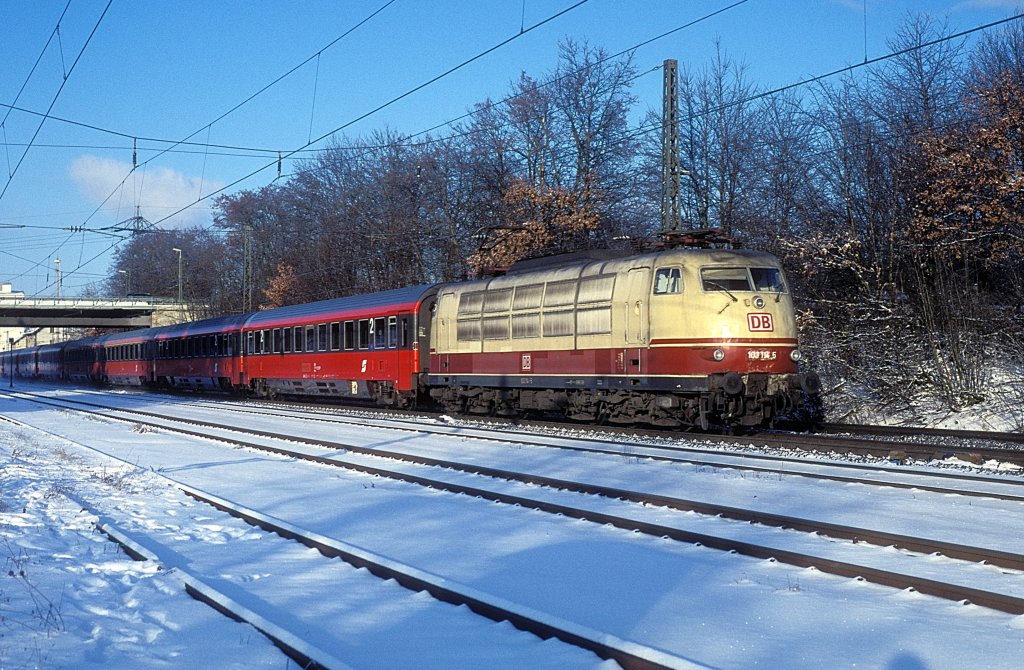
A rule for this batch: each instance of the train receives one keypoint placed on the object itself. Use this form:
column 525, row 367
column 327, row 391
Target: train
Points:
column 684, row 336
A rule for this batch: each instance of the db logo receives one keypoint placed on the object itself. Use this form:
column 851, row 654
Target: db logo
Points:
column 527, row 362
column 760, row 322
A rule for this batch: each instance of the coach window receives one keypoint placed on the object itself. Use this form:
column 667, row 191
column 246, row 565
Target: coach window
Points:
column 404, row 340
column 392, row 332
column 250, row 339
column 310, row 338
column 380, row 333
column 364, row 333
column 297, row 332
column 349, row 336
column 286, row 343
column 335, row 336
column 321, row 337
column 276, row 339
column 668, row 281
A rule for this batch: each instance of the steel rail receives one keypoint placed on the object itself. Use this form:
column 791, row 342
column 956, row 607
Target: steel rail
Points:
column 990, row 599
column 504, row 436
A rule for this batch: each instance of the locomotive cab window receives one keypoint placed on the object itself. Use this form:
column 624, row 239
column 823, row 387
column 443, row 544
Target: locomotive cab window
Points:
column 725, row 279
column 668, row 281
column 768, row 280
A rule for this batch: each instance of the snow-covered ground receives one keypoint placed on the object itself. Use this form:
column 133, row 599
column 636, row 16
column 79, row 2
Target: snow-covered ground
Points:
column 69, row 598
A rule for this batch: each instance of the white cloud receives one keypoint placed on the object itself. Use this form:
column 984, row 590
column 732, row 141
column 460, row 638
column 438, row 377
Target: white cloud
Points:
column 158, row 191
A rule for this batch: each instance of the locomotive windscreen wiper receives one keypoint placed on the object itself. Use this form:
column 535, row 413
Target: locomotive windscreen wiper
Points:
column 720, row 287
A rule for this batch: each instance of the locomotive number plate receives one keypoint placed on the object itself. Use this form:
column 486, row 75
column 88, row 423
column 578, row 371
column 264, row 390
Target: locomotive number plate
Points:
column 760, row 323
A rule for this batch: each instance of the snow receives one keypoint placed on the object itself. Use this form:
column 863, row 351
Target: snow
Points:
column 82, row 603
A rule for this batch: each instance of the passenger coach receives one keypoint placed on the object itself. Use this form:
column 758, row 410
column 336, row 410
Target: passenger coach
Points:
column 371, row 347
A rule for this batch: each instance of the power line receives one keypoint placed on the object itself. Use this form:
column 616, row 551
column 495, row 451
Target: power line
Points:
column 3, row 124
column 67, row 75
column 385, row 105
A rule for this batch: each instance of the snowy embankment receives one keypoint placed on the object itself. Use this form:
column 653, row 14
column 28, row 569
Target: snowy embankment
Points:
column 704, row 605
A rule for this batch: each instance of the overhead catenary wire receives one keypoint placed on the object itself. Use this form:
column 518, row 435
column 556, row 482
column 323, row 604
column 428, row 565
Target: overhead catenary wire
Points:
column 747, row 100
column 24, row 84
column 64, row 81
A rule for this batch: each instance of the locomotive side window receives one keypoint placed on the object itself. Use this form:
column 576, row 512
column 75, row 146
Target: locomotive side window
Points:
column 471, row 302
column 525, row 325
column 335, row 336
column 557, row 324
column 560, row 293
column 495, row 327
column 596, row 289
column 668, row 281
column 597, row 321
column 725, row 279
column 497, row 301
column 768, row 279
column 528, row 297
column 468, row 330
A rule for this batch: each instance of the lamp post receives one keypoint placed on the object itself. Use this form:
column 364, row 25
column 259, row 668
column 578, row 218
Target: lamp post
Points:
column 178, row 251
column 10, row 360
column 127, row 281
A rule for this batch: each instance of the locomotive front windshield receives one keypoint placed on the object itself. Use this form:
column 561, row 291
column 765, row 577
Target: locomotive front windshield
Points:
column 728, row 279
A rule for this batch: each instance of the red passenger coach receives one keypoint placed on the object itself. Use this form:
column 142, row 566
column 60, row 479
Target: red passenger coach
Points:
column 83, row 360
column 128, row 358
column 202, row 355
column 372, row 347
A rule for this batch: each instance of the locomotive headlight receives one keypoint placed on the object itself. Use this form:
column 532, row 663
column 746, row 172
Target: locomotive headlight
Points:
column 718, row 354
column 758, row 302
column 796, row 355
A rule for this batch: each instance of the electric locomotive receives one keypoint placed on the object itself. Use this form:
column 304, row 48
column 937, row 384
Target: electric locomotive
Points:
column 679, row 337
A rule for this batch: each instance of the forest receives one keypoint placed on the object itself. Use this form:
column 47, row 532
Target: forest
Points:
column 893, row 193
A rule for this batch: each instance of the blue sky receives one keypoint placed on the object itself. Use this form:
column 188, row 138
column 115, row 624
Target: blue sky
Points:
column 168, row 70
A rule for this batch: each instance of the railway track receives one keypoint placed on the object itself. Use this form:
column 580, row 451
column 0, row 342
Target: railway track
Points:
column 912, row 444
column 630, row 516
column 288, row 632
column 659, row 450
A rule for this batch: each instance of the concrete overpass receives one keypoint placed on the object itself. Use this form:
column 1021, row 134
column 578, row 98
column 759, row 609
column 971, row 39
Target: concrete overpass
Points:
column 81, row 312
column 134, row 311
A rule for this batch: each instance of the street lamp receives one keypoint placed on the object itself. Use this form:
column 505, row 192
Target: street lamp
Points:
column 127, row 281
column 178, row 251
column 10, row 359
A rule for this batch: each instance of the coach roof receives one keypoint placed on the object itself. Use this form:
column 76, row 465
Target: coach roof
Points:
column 352, row 307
